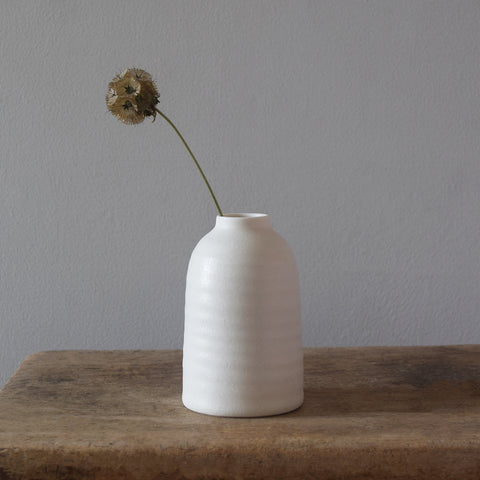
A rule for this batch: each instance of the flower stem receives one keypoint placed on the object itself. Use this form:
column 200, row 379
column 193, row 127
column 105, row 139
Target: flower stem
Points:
column 193, row 158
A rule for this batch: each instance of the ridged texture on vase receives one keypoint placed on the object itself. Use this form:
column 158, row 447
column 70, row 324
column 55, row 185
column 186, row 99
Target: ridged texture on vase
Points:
column 242, row 346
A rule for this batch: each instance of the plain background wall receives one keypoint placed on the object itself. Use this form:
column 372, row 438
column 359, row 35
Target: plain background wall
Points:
column 353, row 123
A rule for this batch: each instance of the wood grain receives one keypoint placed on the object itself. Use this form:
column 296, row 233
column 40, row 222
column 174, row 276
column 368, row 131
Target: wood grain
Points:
column 369, row 413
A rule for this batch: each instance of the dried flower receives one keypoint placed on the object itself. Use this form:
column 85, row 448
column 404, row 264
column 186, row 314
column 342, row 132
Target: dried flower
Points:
column 132, row 96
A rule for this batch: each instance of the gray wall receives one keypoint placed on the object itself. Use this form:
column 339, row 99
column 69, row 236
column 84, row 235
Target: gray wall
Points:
column 354, row 124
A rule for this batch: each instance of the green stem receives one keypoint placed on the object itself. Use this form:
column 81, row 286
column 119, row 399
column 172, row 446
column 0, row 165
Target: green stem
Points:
column 193, row 158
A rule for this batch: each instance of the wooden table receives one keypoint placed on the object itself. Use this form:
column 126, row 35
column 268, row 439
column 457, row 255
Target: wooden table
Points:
column 369, row 413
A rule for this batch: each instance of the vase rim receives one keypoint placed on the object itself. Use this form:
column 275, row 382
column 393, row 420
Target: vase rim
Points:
column 243, row 215
column 255, row 220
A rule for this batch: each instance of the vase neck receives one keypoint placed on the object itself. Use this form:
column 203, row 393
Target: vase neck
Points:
column 243, row 220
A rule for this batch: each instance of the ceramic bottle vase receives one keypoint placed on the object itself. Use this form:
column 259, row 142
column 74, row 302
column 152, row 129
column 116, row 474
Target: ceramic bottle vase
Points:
column 242, row 352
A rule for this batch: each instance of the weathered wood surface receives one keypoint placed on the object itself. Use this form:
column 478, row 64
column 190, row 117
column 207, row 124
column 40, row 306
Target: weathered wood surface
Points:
column 369, row 413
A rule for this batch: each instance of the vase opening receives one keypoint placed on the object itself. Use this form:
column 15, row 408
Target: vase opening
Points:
column 243, row 220
column 245, row 215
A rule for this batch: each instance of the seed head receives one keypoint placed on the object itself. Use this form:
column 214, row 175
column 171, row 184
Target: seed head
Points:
column 132, row 96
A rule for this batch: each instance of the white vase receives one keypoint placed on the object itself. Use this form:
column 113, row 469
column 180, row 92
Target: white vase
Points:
column 242, row 354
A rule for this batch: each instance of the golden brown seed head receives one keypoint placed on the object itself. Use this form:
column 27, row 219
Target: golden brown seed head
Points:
column 132, row 96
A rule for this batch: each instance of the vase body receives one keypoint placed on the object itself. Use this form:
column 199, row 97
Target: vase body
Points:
column 242, row 354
